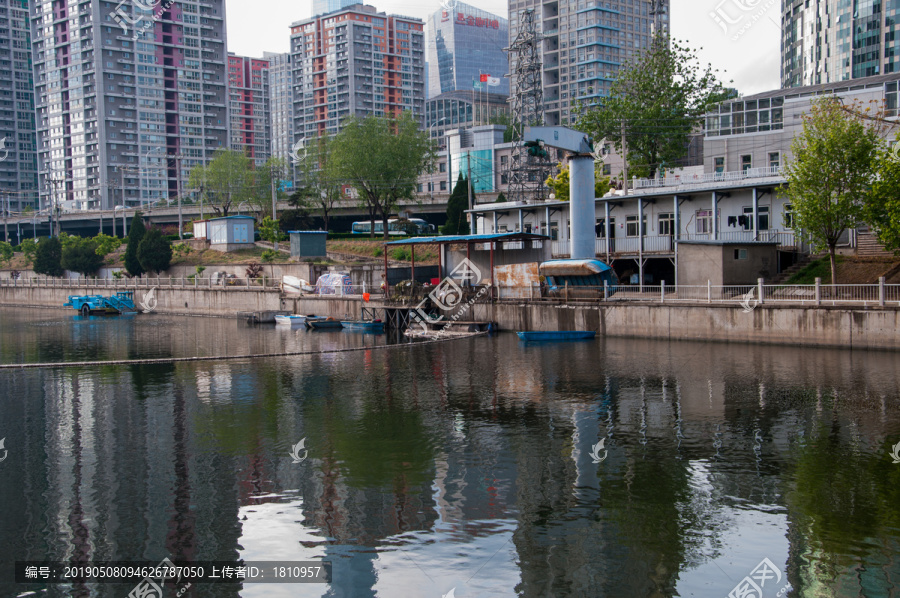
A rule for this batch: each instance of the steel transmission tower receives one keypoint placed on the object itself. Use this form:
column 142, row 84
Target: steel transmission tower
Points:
column 529, row 166
column 658, row 8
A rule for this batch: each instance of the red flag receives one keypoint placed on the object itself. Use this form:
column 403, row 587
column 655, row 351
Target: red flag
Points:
column 484, row 78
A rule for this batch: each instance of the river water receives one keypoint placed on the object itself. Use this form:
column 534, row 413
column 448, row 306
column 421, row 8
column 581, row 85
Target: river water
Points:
column 461, row 469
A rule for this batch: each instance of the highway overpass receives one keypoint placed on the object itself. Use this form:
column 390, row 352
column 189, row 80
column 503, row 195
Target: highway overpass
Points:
column 88, row 223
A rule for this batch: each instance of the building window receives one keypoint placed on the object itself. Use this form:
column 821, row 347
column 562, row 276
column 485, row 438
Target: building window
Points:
column 720, row 164
column 607, row 169
column 762, row 217
column 666, row 224
column 704, row 222
column 774, row 159
column 443, row 185
column 740, row 254
column 631, row 226
column 788, row 216
column 442, row 167
column 746, row 163
column 600, row 228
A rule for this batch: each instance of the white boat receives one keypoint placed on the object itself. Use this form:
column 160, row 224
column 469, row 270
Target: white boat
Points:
column 292, row 284
column 293, row 321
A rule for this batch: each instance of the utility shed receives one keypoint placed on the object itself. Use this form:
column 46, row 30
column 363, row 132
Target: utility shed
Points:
column 308, row 243
column 725, row 262
column 230, row 233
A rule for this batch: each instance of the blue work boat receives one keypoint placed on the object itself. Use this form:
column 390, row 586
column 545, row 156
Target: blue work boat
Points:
column 364, row 325
column 120, row 303
column 557, row 335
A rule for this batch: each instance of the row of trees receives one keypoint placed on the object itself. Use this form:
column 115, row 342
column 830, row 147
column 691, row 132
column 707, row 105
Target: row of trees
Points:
column 380, row 158
column 231, row 178
column 146, row 251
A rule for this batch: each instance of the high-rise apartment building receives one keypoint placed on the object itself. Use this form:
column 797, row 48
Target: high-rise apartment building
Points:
column 465, row 43
column 281, row 109
column 128, row 100
column 584, row 42
column 248, row 89
column 18, row 160
column 825, row 41
column 355, row 61
column 320, row 7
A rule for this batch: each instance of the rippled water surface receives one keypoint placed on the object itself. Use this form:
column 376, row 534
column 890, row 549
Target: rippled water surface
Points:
column 472, row 466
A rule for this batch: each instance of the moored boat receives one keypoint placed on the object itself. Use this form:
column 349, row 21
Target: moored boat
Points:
column 557, row 335
column 322, row 323
column 292, row 321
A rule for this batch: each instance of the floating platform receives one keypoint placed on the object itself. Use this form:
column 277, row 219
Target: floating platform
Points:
column 557, row 335
column 364, row 325
column 261, row 317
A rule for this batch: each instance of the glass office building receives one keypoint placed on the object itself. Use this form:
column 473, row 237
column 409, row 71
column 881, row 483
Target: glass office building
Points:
column 825, row 41
column 320, row 7
column 465, row 43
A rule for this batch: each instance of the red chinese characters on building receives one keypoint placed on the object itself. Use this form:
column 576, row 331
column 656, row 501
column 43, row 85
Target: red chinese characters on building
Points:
column 464, row 19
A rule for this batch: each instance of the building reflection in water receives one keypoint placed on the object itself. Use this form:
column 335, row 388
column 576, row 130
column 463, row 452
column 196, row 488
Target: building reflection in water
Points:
column 467, row 465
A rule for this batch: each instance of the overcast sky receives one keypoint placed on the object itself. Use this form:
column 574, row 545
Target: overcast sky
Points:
column 742, row 43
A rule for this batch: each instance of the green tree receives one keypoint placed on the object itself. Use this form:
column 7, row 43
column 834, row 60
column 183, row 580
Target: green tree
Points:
column 80, row 255
column 268, row 231
column 457, row 204
column 831, row 173
column 560, row 184
column 382, row 157
column 29, row 249
column 260, row 198
column 501, row 198
column 107, row 244
column 228, row 178
column 318, row 184
column 883, row 211
column 154, row 251
column 48, row 257
column 298, row 217
column 657, row 101
column 135, row 236
column 6, row 252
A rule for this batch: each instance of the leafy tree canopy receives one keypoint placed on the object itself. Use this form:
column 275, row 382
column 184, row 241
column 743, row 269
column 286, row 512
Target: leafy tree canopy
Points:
column 154, row 251
column 48, row 257
column 135, row 236
column 831, row 173
column 457, row 222
column 656, row 102
column 382, row 157
column 80, row 255
column 6, row 252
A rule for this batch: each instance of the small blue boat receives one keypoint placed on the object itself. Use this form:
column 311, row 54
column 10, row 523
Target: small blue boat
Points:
column 364, row 325
column 557, row 335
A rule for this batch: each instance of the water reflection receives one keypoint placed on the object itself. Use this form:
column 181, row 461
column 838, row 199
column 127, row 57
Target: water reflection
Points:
column 467, row 465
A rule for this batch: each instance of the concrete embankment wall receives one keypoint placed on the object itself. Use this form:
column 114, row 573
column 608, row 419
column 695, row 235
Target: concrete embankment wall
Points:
column 196, row 301
column 858, row 328
column 847, row 327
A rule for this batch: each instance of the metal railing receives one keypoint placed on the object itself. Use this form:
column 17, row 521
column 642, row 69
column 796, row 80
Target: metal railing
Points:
column 747, row 296
column 709, row 177
column 261, row 283
column 666, row 243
